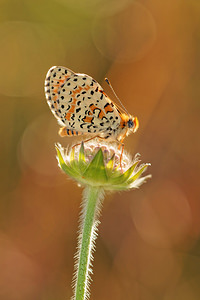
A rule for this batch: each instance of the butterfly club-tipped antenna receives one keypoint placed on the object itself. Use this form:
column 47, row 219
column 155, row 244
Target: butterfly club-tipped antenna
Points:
column 108, row 82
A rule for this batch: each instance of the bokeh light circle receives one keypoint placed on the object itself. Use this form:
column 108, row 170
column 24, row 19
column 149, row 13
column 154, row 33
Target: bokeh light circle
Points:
column 37, row 154
column 125, row 35
column 92, row 7
column 164, row 219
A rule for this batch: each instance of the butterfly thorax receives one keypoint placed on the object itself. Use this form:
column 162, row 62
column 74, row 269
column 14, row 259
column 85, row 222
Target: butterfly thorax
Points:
column 128, row 124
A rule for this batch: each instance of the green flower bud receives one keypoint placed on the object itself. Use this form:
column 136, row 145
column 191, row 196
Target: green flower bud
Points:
column 98, row 165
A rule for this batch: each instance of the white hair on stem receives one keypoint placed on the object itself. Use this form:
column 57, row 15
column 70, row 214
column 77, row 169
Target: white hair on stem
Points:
column 91, row 245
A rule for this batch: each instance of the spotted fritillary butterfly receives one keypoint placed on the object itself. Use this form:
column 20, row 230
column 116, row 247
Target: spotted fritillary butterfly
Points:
column 82, row 107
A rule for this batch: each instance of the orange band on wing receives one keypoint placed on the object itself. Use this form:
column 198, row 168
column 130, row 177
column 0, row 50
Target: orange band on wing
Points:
column 87, row 119
column 108, row 108
column 70, row 112
column 101, row 115
column 93, row 107
column 78, row 90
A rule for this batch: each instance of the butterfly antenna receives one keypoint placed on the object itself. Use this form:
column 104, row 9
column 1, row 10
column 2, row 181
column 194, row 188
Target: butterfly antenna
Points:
column 108, row 82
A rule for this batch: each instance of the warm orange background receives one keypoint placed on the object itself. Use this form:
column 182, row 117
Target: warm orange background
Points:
column 148, row 246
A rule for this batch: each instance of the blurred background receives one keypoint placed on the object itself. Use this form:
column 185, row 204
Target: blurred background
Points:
column 149, row 239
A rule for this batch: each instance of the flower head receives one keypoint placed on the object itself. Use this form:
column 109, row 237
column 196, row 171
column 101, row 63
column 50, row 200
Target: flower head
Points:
column 98, row 164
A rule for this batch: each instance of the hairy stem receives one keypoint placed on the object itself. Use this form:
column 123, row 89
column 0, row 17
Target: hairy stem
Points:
column 91, row 206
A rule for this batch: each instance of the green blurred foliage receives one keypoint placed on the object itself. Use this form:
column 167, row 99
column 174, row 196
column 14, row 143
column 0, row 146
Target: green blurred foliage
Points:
column 148, row 246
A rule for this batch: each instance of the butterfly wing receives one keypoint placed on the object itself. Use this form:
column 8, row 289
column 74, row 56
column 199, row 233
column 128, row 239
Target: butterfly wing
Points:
column 79, row 102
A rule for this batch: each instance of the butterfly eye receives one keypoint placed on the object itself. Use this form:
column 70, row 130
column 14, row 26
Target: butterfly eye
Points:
column 133, row 123
column 130, row 123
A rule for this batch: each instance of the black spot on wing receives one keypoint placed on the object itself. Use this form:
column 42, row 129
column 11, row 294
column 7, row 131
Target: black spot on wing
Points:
column 78, row 109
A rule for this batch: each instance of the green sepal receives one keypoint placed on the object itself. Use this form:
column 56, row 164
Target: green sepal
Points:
column 96, row 171
column 124, row 177
column 72, row 154
column 68, row 170
column 76, row 166
column 110, row 164
column 82, row 153
column 138, row 173
column 81, row 160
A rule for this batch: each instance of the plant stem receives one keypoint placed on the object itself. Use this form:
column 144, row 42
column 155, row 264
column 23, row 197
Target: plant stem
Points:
column 92, row 198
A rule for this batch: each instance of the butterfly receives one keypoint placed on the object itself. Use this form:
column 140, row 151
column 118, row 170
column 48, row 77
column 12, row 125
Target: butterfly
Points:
column 82, row 107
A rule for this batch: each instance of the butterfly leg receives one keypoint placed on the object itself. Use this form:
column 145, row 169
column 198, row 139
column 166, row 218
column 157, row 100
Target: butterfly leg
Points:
column 121, row 145
column 94, row 137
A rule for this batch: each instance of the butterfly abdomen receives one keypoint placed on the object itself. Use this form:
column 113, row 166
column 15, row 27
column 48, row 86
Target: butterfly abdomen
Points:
column 68, row 132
